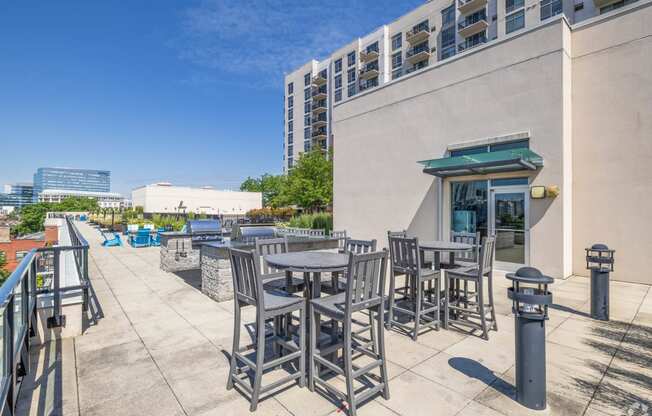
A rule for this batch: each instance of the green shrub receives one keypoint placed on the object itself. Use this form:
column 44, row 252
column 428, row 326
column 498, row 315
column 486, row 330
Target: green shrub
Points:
column 319, row 220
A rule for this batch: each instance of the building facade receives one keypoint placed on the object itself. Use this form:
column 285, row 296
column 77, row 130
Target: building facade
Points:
column 14, row 249
column 85, row 180
column 470, row 143
column 164, row 198
column 433, row 33
column 104, row 199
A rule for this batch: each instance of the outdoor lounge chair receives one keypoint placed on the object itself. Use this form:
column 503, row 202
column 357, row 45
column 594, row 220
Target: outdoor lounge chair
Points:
column 140, row 239
column 111, row 240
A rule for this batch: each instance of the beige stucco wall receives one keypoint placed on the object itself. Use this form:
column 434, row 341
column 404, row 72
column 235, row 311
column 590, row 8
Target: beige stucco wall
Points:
column 612, row 131
column 166, row 199
column 496, row 90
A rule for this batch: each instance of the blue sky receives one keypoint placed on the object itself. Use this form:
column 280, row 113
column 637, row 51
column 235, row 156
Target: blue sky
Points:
column 183, row 91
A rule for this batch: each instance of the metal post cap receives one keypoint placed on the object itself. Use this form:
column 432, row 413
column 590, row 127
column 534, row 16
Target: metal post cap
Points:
column 599, row 246
column 529, row 275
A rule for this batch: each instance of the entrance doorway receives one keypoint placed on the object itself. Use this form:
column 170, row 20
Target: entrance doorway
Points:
column 498, row 207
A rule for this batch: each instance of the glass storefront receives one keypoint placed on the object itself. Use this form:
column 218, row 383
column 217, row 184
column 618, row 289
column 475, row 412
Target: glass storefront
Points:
column 469, row 207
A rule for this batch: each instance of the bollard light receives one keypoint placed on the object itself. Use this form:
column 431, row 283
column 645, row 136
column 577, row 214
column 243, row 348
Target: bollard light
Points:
column 600, row 260
column 531, row 298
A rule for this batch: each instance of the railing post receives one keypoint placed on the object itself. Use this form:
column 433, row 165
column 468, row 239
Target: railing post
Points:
column 10, row 365
column 56, row 320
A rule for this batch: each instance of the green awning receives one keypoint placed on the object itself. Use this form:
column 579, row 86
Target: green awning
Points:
column 483, row 163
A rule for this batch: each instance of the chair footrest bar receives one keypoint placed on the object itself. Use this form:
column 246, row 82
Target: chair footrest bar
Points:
column 280, row 382
column 360, row 371
column 281, row 360
column 331, row 366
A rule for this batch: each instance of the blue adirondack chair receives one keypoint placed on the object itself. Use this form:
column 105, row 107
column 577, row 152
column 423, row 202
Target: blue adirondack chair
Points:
column 140, row 239
column 156, row 238
column 111, row 240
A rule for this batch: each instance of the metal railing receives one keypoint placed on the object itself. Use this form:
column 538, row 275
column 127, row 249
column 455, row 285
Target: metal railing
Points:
column 18, row 300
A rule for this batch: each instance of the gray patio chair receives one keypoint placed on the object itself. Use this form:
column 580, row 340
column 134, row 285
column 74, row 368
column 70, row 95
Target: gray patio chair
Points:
column 341, row 238
column 464, row 258
column 248, row 291
column 272, row 278
column 337, row 285
column 366, row 277
column 415, row 303
column 472, row 304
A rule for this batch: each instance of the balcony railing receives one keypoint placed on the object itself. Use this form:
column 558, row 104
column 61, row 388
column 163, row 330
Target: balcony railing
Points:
column 319, row 93
column 418, row 34
column 38, row 274
column 369, row 71
column 472, row 26
column 471, row 44
column 319, row 107
column 319, row 122
column 468, row 6
column 370, row 54
column 319, row 79
column 418, row 53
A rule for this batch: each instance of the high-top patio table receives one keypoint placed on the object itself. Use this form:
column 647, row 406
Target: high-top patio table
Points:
column 312, row 264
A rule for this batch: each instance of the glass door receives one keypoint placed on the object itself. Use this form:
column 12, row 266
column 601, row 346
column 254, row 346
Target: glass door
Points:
column 508, row 221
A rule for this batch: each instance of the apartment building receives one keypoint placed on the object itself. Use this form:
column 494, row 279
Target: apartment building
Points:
column 540, row 138
column 433, row 32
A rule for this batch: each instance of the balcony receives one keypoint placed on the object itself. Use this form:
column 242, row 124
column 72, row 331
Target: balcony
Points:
column 319, row 122
column 319, row 79
column 417, row 54
column 417, row 34
column 319, row 135
column 319, row 107
column 319, row 94
column 369, row 72
column 369, row 55
column 468, row 28
column 468, row 6
column 462, row 47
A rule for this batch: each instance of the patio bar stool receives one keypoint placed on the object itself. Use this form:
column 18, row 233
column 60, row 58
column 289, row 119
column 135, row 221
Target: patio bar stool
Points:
column 364, row 292
column 415, row 302
column 248, row 291
column 336, row 285
column 471, row 304
column 272, row 278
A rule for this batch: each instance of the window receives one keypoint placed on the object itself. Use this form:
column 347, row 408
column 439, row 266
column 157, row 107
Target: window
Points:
column 372, row 48
column 397, row 73
column 306, row 119
column 421, row 26
column 306, row 94
column 509, row 181
column 306, row 133
column 515, row 21
column 351, row 90
column 306, row 146
column 338, row 65
column 291, row 88
column 350, row 76
column 306, row 107
column 290, row 150
column 290, row 162
column 448, row 16
column 550, row 8
column 290, row 138
column 521, row 144
column 338, row 96
column 323, row 73
column 306, row 79
column 20, row 255
column 338, row 81
column 397, row 41
column 579, row 6
column 511, row 5
column 350, row 59
column 290, row 114
column 290, row 101
column 397, row 60
column 448, row 42
column 616, row 5
column 290, row 125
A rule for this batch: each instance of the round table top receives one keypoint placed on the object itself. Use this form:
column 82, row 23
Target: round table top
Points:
column 440, row 245
column 310, row 261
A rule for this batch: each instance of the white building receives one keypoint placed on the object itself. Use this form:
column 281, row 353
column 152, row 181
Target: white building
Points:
column 431, row 34
column 104, row 199
column 164, row 198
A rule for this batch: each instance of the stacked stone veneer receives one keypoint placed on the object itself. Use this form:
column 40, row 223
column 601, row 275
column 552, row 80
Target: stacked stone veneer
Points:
column 216, row 280
column 177, row 253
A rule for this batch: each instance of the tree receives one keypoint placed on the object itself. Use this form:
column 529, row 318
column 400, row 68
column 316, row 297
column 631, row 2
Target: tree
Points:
column 270, row 186
column 310, row 183
column 32, row 216
column 4, row 273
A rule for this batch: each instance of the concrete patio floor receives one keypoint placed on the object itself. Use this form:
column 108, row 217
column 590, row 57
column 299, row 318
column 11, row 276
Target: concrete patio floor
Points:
column 162, row 347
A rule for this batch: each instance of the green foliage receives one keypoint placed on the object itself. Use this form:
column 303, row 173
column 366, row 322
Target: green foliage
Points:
column 263, row 214
column 4, row 273
column 318, row 220
column 32, row 216
column 310, row 183
column 270, row 186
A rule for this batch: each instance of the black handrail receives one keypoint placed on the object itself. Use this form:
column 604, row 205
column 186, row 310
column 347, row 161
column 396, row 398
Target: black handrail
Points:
column 18, row 299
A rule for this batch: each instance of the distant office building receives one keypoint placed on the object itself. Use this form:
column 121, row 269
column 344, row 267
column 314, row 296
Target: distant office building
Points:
column 85, row 180
column 104, row 199
column 164, row 198
column 17, row 195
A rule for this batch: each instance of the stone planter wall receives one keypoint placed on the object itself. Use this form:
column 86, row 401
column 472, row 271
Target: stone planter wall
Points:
column 216, row 280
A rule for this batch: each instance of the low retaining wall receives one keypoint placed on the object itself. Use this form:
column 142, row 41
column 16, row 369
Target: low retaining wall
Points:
column 178, row 254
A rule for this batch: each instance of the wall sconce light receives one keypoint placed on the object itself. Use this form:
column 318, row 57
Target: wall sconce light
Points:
column 537, row 192
column 552, row 191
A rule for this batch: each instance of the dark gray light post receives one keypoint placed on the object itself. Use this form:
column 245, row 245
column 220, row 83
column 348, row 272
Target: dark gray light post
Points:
column 600, row 260
column 530, row 297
